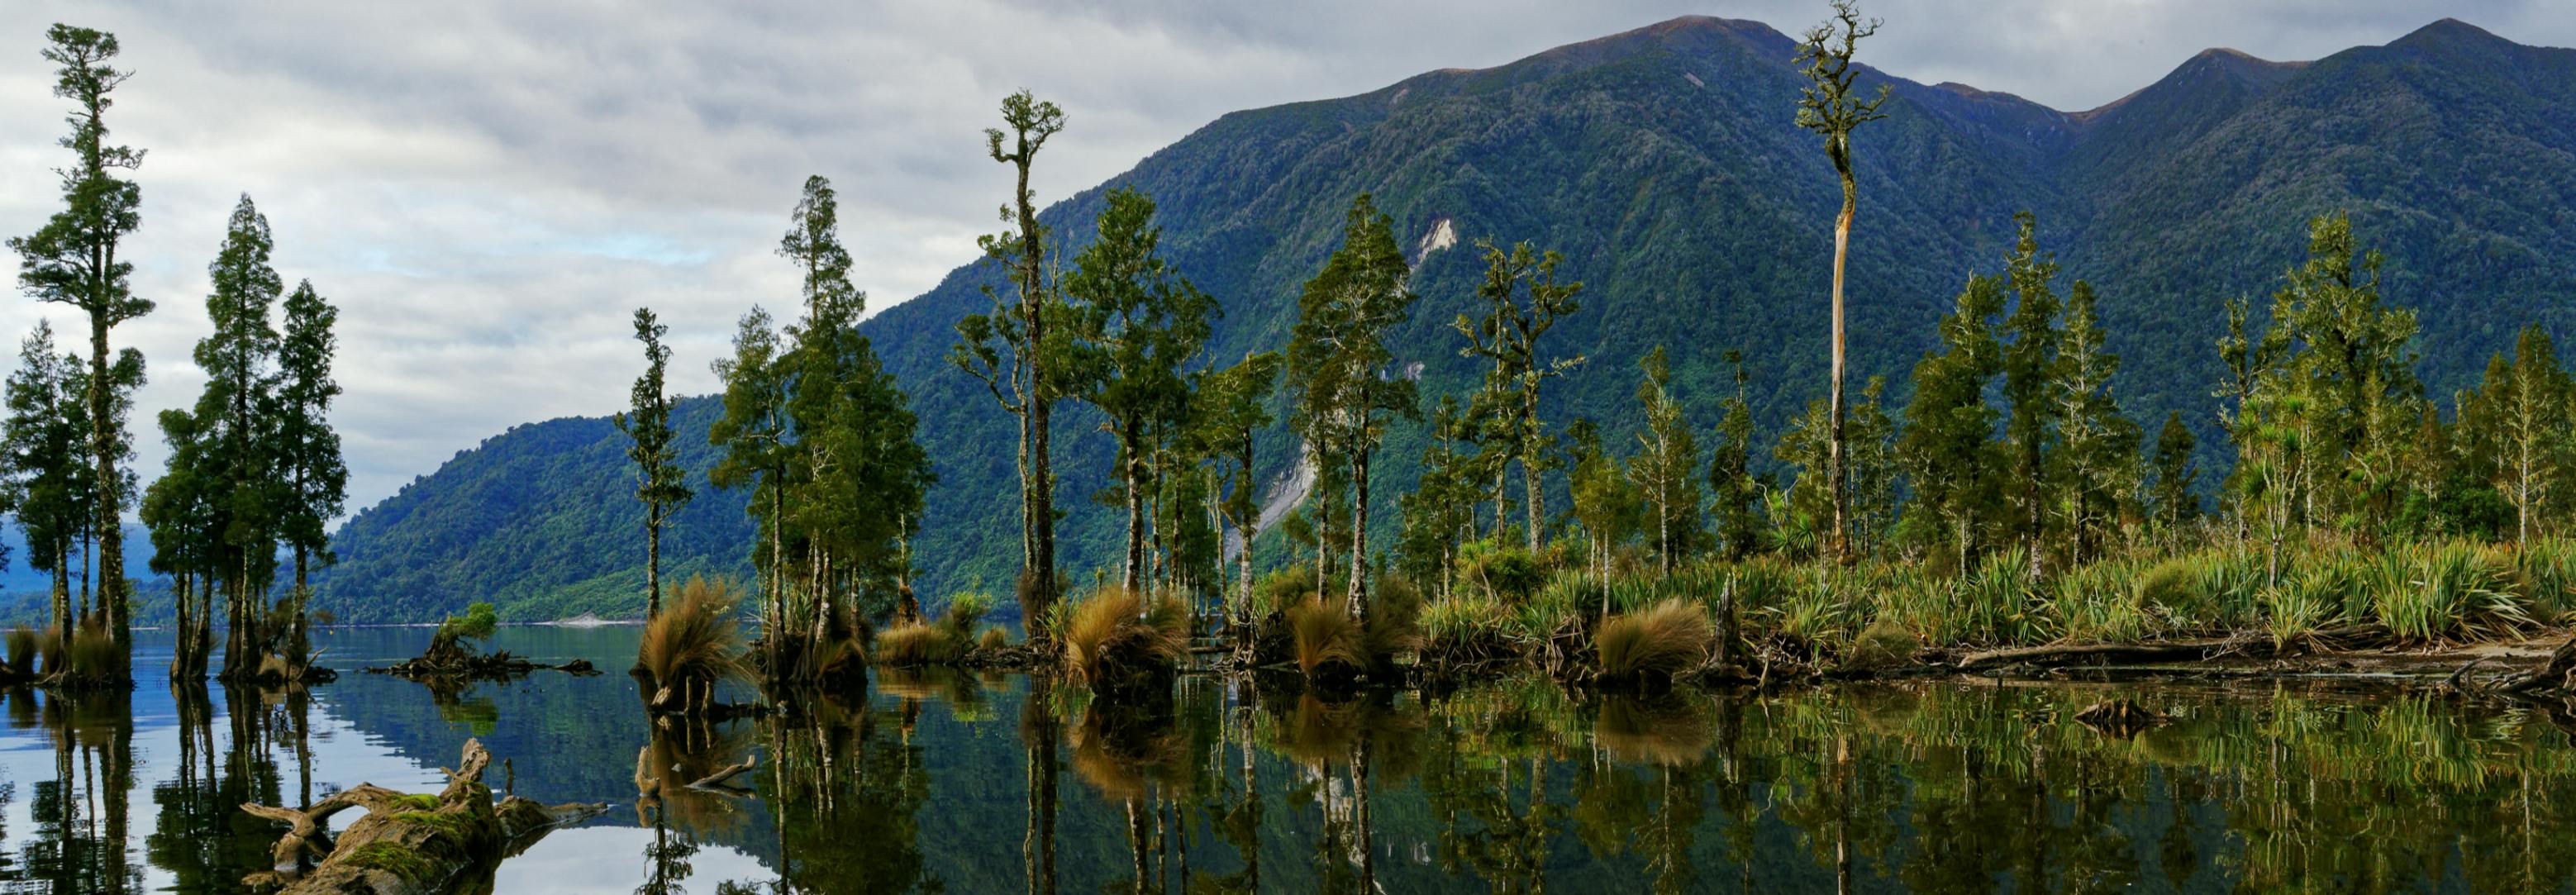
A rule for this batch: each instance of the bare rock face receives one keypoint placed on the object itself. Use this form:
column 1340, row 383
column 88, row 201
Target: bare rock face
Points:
column 410, row 844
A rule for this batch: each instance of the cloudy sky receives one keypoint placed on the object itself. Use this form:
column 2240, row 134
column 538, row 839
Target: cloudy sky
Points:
column 489, row 188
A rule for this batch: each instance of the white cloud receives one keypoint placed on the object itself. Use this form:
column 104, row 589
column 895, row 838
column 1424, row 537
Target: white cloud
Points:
column 488, row 188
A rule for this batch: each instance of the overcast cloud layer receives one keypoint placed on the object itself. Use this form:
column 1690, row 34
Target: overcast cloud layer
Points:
column 488, row 189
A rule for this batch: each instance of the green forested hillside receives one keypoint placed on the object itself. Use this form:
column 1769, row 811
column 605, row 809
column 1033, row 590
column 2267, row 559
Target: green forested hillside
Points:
column 541, row 521
column 1664, row 163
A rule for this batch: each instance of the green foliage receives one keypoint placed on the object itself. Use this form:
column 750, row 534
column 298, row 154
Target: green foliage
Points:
column 477, row 623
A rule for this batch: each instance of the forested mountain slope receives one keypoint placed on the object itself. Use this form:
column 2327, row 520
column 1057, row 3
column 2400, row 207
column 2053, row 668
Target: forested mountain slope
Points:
column 1664, row 163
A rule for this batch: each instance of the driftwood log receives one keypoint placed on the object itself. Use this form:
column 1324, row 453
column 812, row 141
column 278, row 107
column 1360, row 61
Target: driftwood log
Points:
column 2063, row 654
column 409, row 844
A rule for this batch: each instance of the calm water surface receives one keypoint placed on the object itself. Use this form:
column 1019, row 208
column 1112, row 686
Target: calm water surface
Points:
column 991, row 784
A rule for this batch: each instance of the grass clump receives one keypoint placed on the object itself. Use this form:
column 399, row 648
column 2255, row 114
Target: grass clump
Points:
column 915, row 643
column 22, row 650
column 695, row 643
column 1329, row 640
column 1115, row 639
column 993, row 638
column 1669, row 638
column 91, row 654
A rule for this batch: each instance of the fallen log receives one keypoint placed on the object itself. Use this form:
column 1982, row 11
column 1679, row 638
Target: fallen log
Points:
column 2559, row 673
column 2062, row 654
column 409, row 844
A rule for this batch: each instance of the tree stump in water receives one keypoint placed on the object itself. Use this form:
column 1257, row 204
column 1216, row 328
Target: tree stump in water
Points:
column 2119, row 717
column 409, row 844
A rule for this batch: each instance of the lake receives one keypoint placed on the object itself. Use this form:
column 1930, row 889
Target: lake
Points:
column 989, row 783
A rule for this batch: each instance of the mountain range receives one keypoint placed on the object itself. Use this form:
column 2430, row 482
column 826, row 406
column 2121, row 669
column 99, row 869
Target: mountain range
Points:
column 1665, row 165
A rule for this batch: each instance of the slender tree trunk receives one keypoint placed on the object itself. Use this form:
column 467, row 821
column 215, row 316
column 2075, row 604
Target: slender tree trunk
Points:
column 1134, row 474
column 1529, row 467
column 652, row 562
column 110, row 518
column 1359, row 532
column 1837, row 476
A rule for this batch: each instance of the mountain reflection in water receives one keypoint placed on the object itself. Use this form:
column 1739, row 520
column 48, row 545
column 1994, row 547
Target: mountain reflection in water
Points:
column 963, row 782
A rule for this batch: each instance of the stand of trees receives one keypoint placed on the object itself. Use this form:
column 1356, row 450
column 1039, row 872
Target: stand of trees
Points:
column 816, row 426
column 254, row 466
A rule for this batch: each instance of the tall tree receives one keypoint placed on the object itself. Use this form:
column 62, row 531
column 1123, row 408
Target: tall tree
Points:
column 237, row 417
column 758, row 442
column 1829, row 108
column 1339, row 379
column 1523, row 300
column 2351, row 357
column 2175, row 473
column 660, row 483
column 1440, row 512
column 1009, row 348
column 47, row 428
column 1736, row 491
column 2522, row 406
column 316, row 478
column 861, row 472
column 1607, row 502
column 73, row 260
column 1667, row 454
column 1947, row 448
column 1134, row 324
column 2030, row 348
column 1233, row 404
column 2095, row 467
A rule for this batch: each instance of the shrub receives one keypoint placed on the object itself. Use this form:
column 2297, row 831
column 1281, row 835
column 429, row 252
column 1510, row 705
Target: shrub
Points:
column 1881, row 645
column 1281, row 589
column 1671, row 637
column 1113, row 638
column 993, row 638
column 1509, row 574
column 915, row 643
column 696, row 640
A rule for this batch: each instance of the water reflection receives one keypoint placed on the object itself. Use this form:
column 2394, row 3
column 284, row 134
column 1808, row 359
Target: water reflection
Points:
column 958, row 782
